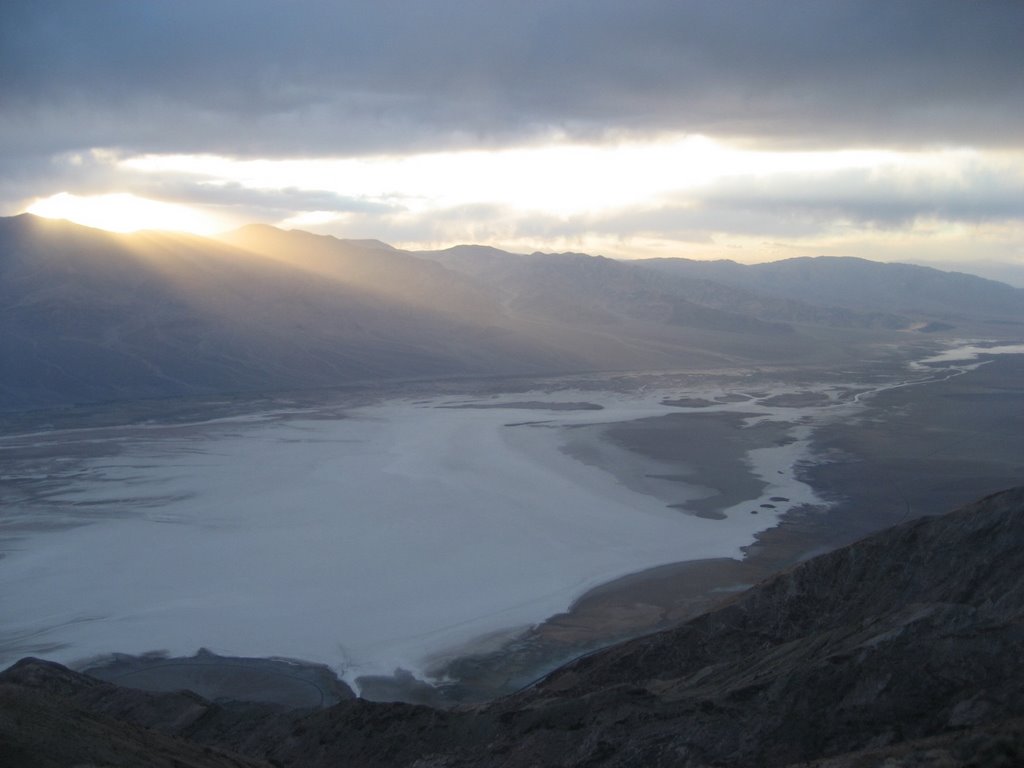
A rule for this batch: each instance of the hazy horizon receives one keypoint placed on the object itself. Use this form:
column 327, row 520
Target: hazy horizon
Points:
column 1009, row 274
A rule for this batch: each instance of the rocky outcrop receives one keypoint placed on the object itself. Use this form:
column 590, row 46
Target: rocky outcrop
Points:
column 901, row 649
column 906, row 634
column 52, row 717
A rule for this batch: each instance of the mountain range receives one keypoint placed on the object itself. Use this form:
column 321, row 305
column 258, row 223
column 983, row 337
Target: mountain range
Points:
column 902, row 649
column 91, row 316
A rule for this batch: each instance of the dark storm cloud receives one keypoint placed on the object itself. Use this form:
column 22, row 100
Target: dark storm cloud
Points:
column 305, row 78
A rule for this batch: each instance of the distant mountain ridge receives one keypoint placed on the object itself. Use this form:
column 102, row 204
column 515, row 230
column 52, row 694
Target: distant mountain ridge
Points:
column 902, row 649
column 89, row 316
column 860, row 284
column 716, row 303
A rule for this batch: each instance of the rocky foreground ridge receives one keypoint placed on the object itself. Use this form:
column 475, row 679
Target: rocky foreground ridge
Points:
column 903, row 649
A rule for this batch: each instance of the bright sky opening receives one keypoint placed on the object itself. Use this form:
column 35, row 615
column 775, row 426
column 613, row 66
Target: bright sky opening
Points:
column 124, row 212
column 560, row 180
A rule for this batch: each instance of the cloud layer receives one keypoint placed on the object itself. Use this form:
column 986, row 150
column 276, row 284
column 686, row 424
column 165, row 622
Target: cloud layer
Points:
column 341, row 78
column 87, row 86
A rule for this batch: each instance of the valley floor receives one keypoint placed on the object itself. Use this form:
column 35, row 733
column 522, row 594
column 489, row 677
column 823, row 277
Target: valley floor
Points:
column 475, row 537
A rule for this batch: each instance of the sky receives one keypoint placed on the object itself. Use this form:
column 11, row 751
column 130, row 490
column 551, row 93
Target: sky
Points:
column 741, row 129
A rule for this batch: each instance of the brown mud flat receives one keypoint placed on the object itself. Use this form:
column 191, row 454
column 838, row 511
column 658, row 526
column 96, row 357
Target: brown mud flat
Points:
column 689, row 402
column 709, row 447
column 529, row 405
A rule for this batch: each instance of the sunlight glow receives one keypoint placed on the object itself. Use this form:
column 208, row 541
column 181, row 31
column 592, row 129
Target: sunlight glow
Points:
column 124, row 212
column 562, row 180
column 673, row 195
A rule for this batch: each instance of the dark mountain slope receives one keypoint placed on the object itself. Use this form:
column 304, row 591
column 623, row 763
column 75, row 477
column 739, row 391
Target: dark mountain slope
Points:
column 674, row 321
column 859, row 284
column 600, row 287
column 906, row 644
column 87, row 315
column 51, row 718
column 553, row 318
column 578, row 288
column 906, row 634
column 376, row 268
